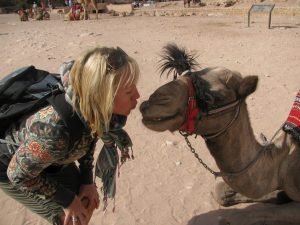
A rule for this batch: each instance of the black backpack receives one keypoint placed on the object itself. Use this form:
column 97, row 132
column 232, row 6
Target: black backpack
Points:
column 28, row 89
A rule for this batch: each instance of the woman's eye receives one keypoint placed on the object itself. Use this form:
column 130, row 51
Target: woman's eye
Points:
column 129, row 91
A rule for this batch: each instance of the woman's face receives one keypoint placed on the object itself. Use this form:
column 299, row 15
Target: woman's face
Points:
column 125, row 99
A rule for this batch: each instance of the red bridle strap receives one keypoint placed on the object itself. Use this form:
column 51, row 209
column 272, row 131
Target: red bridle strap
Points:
column 192, row 110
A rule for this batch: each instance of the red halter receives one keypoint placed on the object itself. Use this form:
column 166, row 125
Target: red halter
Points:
column 192, row 110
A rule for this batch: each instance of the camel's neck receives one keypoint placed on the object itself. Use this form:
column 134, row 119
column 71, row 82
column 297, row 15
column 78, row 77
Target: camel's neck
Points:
column 237, row 143
column 235, row 149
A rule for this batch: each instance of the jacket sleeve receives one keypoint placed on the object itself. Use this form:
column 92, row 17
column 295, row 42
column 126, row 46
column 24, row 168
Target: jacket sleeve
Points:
column 86, row 165
column 46, row 143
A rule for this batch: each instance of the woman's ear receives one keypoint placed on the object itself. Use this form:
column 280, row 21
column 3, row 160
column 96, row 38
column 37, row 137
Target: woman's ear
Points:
column 247, row 86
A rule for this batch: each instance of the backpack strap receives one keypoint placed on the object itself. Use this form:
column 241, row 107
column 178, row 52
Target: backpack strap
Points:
column 71, row 119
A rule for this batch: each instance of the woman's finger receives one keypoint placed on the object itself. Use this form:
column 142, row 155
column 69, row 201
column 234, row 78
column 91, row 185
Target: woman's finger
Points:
column 75, row 220
column 67, row 219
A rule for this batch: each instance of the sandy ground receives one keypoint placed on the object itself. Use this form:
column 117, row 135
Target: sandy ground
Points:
column 164, row 185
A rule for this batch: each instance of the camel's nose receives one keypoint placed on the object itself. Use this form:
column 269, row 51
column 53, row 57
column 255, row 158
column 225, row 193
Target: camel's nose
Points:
column 144, row 106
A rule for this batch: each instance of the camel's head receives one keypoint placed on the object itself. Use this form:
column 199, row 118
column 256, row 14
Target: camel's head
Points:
column 170, row 106
column 166, row 107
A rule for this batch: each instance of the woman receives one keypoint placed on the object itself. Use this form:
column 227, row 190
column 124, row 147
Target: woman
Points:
column 37, row 169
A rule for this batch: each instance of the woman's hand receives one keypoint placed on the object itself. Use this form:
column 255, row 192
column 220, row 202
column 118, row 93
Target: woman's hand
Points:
column 76, row 213
column 81, row 209
column 90, row 191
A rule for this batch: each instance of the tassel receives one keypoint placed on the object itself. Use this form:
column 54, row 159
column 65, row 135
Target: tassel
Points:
column 108, row 163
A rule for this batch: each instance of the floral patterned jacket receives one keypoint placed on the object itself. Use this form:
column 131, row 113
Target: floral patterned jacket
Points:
column 40, row 141
column 43, row 140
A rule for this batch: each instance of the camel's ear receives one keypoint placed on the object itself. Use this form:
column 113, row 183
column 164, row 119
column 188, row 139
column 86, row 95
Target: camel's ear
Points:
column 247, row 86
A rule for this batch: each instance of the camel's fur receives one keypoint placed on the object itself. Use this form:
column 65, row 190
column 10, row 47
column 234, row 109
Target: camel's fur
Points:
column 85, row 4
column 234, row 149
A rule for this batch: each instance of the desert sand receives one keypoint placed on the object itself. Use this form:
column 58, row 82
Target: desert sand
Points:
column 164, row 184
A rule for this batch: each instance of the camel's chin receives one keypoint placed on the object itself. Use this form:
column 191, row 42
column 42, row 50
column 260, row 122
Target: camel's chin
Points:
column 162, row 124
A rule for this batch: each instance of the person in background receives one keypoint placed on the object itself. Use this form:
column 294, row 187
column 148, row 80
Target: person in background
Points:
column 43, row 6
column 50, row 6
column 35, row 9
column 34, row 6
column 37, row 165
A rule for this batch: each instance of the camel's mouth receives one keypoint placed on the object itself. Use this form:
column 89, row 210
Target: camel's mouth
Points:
column 163, row 123
column 158, row 119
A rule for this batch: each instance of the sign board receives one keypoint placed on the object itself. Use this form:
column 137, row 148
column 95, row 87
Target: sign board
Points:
column 261, row 8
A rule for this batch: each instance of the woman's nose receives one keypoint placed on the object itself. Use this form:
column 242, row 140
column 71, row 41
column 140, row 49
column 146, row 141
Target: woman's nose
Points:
column 137, row 94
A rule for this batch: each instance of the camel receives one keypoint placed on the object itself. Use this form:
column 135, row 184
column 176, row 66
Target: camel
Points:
column 42, row 15
column 85, row 4
column 212, row 103
column 22, row 15
column 76, row 13
column 30, row 13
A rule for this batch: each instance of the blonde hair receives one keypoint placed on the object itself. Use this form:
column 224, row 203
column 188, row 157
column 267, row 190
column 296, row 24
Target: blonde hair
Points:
column 95, row 78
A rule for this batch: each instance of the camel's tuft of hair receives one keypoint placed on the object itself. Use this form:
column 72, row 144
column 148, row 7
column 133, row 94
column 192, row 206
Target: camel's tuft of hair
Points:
column 176, row 60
